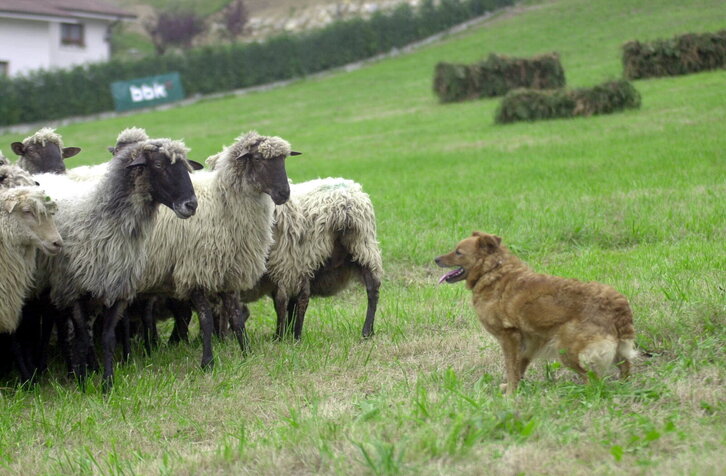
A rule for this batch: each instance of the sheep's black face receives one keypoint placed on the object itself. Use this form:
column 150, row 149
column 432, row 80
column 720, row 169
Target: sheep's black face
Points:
column 170, row 184
column 48, row 158
column 270, row 176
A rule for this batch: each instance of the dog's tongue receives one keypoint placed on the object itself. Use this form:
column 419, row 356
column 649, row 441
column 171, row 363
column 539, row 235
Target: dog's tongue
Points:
column 447, row 275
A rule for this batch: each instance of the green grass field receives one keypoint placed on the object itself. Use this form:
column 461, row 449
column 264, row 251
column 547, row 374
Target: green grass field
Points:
column 635, row 200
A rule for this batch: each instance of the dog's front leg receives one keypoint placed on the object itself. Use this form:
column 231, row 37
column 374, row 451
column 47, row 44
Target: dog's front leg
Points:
column 510, row 340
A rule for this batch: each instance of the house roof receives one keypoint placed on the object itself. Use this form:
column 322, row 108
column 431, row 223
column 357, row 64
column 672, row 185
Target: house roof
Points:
column 63, row 8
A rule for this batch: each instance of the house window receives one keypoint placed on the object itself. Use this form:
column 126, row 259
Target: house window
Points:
column 4, row 68
column 72, row 34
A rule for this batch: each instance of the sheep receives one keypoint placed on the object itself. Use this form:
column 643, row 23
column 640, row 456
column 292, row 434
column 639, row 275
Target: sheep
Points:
column 324, row 236
column 128, row 136
column 13, row 176
column 26, row 224
column 43, row 152
column 224, row 249
column 106, row 225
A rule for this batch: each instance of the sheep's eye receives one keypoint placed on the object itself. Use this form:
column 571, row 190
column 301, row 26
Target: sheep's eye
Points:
column 28, row 212
column 158, row 164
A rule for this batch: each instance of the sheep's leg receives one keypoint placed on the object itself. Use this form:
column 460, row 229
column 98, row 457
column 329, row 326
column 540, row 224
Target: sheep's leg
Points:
column 303, row 298
column 65, row 340
column 373, row 284
column 232, row 309
column 147, row 318
column 111, row 318
column 182, row 316
column 47, row 321
column 125, row 337
column 280, row 310
column 206, row 326
column 15, row 348
column 82, row 341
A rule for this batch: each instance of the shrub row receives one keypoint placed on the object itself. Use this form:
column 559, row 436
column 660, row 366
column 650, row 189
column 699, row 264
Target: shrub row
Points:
column 683, row 54
column 496, row 76
column 532, row 105
column 47, row 95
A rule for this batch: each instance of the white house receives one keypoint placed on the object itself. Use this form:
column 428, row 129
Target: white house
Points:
column 49, row 34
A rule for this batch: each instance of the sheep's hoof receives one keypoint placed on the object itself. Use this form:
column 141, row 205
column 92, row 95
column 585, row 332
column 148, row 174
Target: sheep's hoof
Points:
column 208, row 364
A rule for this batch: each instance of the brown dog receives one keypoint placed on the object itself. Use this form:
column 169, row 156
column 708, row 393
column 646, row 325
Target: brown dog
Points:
column 589, row 326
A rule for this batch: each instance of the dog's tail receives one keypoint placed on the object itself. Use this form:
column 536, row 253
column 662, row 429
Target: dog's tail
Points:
column 626, row 352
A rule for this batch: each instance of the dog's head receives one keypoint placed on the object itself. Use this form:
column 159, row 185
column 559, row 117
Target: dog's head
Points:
column 472, row 253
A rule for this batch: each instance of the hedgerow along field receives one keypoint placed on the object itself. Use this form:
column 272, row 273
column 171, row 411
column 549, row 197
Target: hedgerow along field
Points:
column 633, row 199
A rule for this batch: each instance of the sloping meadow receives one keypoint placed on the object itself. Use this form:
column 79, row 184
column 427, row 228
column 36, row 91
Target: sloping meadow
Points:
column 634, row 200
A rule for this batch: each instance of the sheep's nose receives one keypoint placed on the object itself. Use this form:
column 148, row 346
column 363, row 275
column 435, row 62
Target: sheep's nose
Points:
column 58, row 243
column 191, row 205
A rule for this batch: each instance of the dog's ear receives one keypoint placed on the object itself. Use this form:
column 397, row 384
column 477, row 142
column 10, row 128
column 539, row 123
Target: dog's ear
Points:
column 490, row 243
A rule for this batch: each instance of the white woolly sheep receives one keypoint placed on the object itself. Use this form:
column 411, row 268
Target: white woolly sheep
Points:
column 224, row 248
column 324, row 236
column 128, row 136
column 14, row 176
column 43, row 152
column 106, row 225
column 26, row 225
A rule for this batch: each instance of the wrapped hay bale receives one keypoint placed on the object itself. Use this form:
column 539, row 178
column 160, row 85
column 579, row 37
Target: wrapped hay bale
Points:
column 685, row 54
column 532, row 105
column 496, row 76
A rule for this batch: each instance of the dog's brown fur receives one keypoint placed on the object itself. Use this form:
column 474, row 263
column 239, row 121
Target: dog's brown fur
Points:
column 589, row 326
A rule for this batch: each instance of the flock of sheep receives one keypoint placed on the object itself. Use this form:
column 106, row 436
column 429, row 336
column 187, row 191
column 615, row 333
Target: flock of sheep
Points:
column 89, row 252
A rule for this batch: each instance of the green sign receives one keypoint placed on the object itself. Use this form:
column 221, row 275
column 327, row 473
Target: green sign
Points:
column 146, row 92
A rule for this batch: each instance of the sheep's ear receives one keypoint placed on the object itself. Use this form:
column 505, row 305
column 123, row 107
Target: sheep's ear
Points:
column 292, row 152
column 10, row 204
column 139, row 160
column 70, row 151
column 18, row 148
column 111, row 149
column 195, row 165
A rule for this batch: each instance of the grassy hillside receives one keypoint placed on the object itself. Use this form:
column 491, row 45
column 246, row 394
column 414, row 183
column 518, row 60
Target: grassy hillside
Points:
column 634, row 200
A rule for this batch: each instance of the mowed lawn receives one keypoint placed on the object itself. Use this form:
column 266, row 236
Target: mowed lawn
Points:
column 635, row 200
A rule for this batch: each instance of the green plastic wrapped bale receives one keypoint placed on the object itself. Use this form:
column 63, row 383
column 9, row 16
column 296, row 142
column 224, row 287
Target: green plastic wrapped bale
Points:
column 496, row 76
column 685, row 54
column 533, row 105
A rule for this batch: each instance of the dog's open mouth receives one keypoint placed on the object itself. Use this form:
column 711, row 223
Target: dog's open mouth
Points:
column 453, row 276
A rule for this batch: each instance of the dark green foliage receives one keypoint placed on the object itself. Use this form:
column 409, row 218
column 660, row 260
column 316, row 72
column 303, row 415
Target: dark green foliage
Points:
column 532, row 105
column 683, row 54
column 46, row 95
column 496, row 76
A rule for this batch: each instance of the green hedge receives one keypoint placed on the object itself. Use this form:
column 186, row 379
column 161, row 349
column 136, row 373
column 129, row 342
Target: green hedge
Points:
column 532, row 105
column 47, row 95
column 496, row 76
column 683, row 54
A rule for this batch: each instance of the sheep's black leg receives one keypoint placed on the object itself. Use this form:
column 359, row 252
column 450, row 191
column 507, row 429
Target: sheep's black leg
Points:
column 81, row 341
column 15, row 348
column 147, row 319
column 111, row 318
column 280, row 310
column 232, row 309
column 206, row 327
column 65, row 340
column 303, row 298
column 125, row 337
column 373, row 284
column 47, row 322
column 182, row 312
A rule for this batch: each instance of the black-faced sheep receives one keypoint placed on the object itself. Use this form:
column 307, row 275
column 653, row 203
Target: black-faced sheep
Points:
column 43, row 152
column 224, row 248
column 106, row 224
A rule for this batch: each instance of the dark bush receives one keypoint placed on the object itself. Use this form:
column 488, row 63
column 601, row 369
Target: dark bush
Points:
column 685, row 54
column 533, row 105
column 496, row 76
column 46, row 95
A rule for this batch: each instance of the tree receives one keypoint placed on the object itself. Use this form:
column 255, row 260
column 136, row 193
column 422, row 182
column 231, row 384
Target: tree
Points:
column 236, row 17
column 174, row 28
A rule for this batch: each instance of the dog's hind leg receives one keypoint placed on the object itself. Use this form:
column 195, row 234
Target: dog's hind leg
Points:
column 625, row 354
